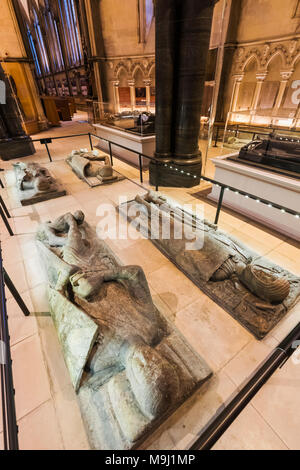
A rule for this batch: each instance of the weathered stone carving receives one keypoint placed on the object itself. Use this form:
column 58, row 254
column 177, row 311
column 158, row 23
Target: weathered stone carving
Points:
column 35, row 184
column 252, row 289
column 14, row 143
column 235, row 143
column 93, row 167
column 278, row 152
column 130, row 367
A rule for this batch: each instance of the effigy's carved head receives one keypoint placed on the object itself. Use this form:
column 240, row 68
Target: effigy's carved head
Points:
column 79, row 217
column 267, row 286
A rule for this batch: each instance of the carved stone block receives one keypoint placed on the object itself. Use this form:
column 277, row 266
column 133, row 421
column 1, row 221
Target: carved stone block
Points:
column 255, row 291
column 35, row 184
column 130, row 367
column 93, row 167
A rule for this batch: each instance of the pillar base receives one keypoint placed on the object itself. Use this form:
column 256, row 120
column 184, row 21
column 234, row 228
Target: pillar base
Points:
column 16, row 148
column 184, row 177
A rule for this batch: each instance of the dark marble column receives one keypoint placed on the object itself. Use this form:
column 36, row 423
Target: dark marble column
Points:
column 165, row 31
column 182, row 40
column 14, row 142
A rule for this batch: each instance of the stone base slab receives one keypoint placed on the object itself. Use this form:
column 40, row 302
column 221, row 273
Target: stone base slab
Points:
column 16, row 148
column 264, row 184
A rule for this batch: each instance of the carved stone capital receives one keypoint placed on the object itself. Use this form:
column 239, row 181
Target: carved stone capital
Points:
column 116, row 83
column 261, row 76
column 131, row 82
column 239, row 77
column 286, row 74
column 147, row 82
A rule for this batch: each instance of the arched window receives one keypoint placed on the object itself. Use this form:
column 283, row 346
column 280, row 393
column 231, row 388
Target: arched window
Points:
column 34, row 53
column 71, row 30
column 55, row 49
column 41, row 44
column 146, row 13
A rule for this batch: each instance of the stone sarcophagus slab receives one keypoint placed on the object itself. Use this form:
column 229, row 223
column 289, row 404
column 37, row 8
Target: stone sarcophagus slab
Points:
column 93, row 167
column 35, row 184
column 255, row 291
column 278, row 153
column 130, row 367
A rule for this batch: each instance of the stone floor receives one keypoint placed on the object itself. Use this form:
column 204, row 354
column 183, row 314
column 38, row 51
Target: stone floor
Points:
column 47, row 411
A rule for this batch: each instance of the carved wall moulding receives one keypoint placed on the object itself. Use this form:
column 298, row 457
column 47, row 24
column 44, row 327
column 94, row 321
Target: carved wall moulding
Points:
column 130, row 366
column 130, row 66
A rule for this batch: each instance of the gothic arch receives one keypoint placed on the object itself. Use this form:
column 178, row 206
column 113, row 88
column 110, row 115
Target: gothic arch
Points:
column 151, row 66
column 295, row 60
column 252, row 55
column 119, row 67
column 282, row 51
column 273, row 56
column 135, row 67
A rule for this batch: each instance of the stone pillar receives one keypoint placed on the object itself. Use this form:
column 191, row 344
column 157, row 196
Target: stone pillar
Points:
column 285, row 76
column 148, row 96
column 131, row 84
column 236, row 91
column 116, row 96
column 260, row 77
column 182, row 42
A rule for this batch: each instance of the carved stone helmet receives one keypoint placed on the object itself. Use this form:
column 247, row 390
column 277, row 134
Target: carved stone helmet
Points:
column 267, row 286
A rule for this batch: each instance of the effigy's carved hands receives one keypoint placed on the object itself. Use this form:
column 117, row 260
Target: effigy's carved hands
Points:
column 266, row 285
column 86, row 283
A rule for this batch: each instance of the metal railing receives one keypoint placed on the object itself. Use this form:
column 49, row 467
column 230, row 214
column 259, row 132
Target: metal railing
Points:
column 159, row 166
column 9, row 420
column 228, row 413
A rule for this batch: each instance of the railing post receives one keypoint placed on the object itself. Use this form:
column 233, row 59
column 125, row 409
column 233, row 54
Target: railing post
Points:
column 217, row 137
column 219, row 205
column 140, row 167
column 1, row 184
column 4, row 207
column 9, row 229
column 46, row 142
column 15, row 294
column 90, row 139
column 110, row 153
column 10, row 427
column 48, row 152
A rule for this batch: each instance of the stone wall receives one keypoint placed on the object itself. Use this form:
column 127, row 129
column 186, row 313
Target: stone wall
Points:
column 17, row 66
column 265, row 72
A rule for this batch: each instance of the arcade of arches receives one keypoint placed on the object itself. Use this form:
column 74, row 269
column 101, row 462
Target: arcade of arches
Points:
column 84, row 51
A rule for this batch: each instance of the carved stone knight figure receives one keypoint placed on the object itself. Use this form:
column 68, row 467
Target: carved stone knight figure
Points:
column 93, row 167
column 135, row 368
column 255, row 291
column 35, row 184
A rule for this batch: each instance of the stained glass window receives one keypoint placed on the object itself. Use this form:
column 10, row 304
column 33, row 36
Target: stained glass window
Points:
column 34, row 53
column 71, row 30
